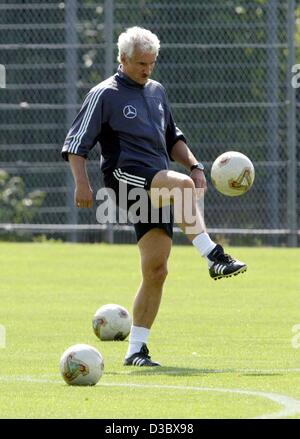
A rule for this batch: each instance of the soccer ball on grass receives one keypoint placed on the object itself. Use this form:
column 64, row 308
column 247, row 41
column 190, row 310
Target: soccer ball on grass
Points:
column 81, row 365
column 112, row 322
column 232, row 173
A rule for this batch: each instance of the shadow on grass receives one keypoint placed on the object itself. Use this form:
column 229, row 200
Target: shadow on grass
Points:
column 186, row 371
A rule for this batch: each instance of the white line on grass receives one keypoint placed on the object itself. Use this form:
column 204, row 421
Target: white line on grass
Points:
column 224, row 371
column 165, row 371
column 290, row 406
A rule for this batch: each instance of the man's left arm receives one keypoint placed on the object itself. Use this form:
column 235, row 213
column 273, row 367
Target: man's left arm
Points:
column 182, row 154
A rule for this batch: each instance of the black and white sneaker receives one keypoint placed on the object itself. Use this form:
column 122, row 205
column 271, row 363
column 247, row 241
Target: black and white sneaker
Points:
column 224, row 265
column 141, row 358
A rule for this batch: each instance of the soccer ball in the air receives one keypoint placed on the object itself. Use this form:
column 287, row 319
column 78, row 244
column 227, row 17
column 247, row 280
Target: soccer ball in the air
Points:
column 232, row 173
column 81, row 365
column 112, row 322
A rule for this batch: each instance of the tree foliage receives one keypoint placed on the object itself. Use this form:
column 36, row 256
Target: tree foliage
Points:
column 17, row 205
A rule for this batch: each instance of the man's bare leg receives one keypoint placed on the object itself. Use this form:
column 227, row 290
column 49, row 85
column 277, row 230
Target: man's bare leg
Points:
column 155, row 247
column 186, row 209
column 220, row 265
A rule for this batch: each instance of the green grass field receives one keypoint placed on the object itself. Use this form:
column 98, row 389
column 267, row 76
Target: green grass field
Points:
column 225, row 346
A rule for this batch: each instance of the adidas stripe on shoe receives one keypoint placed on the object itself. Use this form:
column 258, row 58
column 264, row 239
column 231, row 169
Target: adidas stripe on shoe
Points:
column 141, row 358
column 224, row 265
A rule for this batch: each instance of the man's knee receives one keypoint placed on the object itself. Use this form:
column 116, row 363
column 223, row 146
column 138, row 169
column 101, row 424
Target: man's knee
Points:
column 155, row 273
column 175, row 188
column 186, row 183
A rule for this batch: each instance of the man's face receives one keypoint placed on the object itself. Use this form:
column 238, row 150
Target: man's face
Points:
column 139, row 66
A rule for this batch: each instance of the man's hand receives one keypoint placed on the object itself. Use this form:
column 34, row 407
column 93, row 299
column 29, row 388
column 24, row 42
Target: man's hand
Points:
column 199, row 179
column 83, row 196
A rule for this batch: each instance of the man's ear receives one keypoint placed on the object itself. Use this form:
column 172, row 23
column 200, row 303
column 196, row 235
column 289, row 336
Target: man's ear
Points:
column 123, row 58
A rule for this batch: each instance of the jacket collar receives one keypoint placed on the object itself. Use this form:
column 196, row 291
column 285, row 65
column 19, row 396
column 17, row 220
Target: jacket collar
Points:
column 124, row 79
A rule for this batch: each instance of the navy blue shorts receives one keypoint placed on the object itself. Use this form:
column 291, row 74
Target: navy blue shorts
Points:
column 129, row 177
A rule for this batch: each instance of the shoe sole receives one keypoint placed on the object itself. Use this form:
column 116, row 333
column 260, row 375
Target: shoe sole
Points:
column 143, row 365
column 239, row 271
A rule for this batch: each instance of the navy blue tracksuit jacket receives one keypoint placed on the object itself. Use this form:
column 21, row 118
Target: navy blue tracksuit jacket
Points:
column 132, row 122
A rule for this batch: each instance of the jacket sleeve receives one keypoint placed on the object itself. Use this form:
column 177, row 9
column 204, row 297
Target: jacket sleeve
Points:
column 86, row 127
column 173, row 134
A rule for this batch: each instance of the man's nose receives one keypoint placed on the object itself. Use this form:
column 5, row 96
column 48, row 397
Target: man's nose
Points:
column 147, row 70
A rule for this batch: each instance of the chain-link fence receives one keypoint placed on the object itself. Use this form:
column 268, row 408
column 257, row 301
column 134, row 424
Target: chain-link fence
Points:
column 227, row 68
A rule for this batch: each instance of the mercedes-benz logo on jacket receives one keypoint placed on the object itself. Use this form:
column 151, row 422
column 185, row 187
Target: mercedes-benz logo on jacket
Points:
column 129, row 112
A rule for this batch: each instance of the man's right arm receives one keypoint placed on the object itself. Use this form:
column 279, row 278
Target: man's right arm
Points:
column 83, row 195
column 81, row 138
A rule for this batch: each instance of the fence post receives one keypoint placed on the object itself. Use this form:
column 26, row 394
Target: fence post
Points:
column 109, row 69
column 109, row 37
column 71, row 75
column 2, row 76
column 291, row 134
column 272, row 116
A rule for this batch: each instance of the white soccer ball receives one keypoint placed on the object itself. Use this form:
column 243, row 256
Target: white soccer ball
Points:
column 232, row 173
column 112, row 322
column 81, row 365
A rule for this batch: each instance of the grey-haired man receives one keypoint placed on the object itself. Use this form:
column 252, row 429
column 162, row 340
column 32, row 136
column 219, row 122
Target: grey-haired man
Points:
column 130, row 116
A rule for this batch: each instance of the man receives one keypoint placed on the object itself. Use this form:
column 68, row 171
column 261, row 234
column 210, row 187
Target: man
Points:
column 129, row 115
